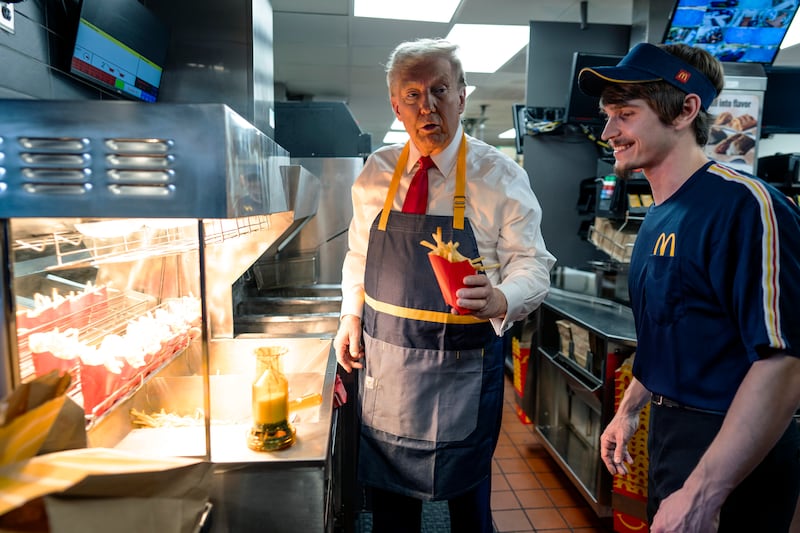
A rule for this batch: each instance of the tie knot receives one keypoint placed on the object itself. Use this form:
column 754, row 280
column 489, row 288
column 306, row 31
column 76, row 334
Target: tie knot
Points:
column 425, row 162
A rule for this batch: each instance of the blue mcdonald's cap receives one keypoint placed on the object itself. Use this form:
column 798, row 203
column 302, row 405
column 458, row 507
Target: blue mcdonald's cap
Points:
column 647, row 63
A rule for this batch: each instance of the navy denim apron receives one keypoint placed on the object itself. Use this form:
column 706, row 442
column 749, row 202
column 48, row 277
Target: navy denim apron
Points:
column 431, row 389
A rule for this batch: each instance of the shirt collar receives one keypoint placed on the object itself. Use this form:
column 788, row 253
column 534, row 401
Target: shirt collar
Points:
column 444, row 160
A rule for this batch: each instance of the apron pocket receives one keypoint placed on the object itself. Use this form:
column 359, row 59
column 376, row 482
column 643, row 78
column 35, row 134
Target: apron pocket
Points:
column 426, row 395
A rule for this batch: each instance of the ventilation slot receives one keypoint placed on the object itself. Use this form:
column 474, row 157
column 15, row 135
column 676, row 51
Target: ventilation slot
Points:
column 55, row 165
column 140, row 167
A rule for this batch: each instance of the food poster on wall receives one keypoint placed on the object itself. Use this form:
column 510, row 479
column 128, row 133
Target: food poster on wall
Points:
column 734, row 131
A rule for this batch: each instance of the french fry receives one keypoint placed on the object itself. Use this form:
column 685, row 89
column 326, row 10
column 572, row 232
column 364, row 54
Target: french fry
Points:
column 449, row 251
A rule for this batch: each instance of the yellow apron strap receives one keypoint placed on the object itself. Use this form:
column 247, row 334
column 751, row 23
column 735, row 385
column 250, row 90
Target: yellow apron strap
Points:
column 398, row 172
column 459, row 200
column 421, row 314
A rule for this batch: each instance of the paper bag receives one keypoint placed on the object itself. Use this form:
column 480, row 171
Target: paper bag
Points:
column 450, row 277
column 38, row 417
column 98, row 489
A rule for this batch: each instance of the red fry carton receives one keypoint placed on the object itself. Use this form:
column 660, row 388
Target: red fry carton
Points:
column 450, row 277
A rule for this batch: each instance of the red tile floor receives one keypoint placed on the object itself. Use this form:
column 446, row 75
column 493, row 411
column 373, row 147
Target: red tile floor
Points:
column 529, row 490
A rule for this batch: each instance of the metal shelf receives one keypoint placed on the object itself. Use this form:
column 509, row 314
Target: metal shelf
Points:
column 118, row 240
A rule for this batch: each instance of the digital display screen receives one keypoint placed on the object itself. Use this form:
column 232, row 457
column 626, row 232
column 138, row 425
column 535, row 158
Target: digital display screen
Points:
column 120, row 47
column 582, row 108
column 781, row 114
column 735, row 31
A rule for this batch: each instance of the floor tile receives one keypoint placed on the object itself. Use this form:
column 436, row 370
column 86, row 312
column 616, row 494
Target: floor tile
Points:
column 516, row 428
column 579, row 516
column 525, row 439
column 565, row 497
column 504, row 440
column 499, row 482
column 545, row 519
column 538, row 463
column 530, row 499
column 514, row 465
column 508, row 521
column 523, row 481
column 504, row 500
column 506, row 451
column 552, row 480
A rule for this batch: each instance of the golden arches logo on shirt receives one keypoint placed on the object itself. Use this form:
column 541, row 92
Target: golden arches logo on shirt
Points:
column 662, row 242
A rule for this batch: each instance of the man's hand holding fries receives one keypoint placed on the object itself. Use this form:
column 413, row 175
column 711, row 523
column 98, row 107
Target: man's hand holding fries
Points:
column 481, row 298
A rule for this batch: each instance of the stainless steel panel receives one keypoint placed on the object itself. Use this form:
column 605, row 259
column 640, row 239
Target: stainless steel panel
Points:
column 295, row 311
column 574, row 403
column 569, row 438
column 201, row 152
column 220, row 52
column 318, row 325
column 326, row 233
column 745, row 76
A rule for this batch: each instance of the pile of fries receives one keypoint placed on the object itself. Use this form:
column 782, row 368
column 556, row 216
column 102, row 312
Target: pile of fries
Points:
column 449, row 251
column 162, row 419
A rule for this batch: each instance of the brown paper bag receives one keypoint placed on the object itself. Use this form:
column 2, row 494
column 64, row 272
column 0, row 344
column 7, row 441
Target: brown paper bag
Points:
column 38, row 417
column 98, row 489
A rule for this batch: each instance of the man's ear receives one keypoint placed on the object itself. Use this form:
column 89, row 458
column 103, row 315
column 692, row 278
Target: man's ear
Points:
column 692, row 106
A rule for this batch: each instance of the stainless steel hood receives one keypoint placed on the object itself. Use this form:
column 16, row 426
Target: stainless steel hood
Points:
column 121, row 159
column 86, row 160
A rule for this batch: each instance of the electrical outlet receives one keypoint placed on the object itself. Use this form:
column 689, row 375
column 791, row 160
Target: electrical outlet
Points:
column 7, row 17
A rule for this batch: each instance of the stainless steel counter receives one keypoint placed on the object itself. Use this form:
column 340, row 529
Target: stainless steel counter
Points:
column 609, row 319
column 289, row 490
column 284, row 491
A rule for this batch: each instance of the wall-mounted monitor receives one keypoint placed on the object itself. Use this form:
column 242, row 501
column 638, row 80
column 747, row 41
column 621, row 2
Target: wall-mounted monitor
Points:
column 780, row 113
column 582, row 108
column 122, row 47
column 735, row 31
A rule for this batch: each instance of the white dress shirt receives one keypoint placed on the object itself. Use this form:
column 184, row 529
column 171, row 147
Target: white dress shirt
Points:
column 501, row 207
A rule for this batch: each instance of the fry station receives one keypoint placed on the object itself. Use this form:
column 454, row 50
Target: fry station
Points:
column 126, row 267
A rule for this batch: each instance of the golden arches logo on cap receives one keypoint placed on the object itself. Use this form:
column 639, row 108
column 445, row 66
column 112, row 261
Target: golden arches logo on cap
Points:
column 683, row 76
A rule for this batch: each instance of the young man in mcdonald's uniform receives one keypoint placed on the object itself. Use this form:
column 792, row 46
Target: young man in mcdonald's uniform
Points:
column 430, row 379
column 714, row 283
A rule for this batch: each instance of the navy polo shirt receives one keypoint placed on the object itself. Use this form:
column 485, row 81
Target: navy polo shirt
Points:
column 713, row 274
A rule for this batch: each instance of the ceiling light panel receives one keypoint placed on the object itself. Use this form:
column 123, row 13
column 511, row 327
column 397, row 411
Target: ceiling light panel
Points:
column 424, row 10
column 487, row 47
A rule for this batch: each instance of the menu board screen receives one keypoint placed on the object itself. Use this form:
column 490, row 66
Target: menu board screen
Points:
column 120, row 46
column 736, row 31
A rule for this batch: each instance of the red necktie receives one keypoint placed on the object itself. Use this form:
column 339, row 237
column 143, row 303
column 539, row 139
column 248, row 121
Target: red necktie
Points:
column 417, row 195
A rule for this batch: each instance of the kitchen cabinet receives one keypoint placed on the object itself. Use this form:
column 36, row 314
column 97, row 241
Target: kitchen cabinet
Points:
column 574, row 384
